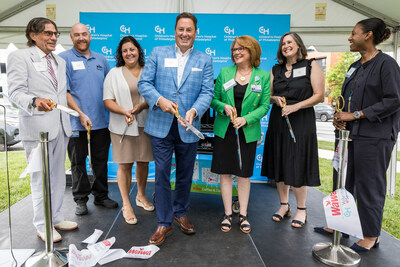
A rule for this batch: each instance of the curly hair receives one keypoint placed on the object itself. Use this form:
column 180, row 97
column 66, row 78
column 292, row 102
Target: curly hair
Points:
column 118, row 56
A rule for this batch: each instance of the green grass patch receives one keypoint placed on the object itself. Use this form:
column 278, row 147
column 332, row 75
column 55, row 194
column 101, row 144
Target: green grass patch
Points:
column 326, row 145
column 19, row 187
column 391, row 214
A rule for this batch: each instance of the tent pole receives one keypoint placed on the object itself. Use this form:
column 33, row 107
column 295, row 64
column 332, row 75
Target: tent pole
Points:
column 391, row 188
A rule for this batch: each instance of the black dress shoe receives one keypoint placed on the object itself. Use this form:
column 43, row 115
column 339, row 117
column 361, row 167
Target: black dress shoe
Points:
column 108, row 203
column 321, row 230
column 81, row 209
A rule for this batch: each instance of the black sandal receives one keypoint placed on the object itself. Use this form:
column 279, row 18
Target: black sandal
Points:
column 279, row 217
column 227, row 225
column 243, row 225
column 300, row 222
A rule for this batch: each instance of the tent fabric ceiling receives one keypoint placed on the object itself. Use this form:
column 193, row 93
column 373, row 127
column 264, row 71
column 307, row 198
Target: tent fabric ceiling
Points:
column 328, row 35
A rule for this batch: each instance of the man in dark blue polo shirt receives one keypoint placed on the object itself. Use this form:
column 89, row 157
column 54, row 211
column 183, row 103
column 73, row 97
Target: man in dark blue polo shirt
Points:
column 86, row 71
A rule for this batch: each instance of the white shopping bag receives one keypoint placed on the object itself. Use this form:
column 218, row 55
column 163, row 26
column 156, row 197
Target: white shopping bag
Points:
column 341, row 213
column 336, row 159
column 142, row 252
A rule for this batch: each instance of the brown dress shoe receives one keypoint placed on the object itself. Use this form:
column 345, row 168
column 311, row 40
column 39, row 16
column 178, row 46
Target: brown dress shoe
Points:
column 158, row 237
column 186, row 226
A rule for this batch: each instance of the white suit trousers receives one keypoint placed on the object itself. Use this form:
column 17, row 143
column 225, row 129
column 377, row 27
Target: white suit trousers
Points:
column 57, row 153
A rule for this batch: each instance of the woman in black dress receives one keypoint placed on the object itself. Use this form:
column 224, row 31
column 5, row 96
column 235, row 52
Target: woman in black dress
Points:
column 293, row 160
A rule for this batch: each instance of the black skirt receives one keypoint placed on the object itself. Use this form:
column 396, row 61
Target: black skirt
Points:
column 225, row 156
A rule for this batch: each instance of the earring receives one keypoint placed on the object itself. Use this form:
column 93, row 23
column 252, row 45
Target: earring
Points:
column 365, row 39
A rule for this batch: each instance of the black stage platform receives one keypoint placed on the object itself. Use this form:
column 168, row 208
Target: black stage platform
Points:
column 269, row 244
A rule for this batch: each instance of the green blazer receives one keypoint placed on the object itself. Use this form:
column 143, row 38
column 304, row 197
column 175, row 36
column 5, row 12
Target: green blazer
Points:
column 255, row 104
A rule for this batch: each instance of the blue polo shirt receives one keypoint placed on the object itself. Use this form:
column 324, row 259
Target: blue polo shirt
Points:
column 85, row 78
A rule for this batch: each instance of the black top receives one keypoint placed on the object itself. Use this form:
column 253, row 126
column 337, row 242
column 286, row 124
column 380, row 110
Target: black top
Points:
column 239, row 91
column 375, row 87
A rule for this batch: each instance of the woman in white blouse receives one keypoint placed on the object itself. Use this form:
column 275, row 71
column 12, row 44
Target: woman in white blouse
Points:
column 129, row 143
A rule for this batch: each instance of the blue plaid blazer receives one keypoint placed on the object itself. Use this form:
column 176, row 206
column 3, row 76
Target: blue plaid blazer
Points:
column 195, row 91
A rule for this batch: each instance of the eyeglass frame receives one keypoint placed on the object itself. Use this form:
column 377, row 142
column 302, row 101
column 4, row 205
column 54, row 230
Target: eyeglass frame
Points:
column 51, row 33
column 238, row 49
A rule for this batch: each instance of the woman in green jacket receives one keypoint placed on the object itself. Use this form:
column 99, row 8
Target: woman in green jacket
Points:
column 241, row 99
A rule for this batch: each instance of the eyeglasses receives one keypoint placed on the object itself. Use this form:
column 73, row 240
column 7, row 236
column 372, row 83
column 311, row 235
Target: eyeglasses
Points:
column 239, row 49
column 50, row 33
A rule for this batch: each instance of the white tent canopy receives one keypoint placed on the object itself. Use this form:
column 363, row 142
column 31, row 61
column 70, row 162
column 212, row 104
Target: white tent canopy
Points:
column 328, row 35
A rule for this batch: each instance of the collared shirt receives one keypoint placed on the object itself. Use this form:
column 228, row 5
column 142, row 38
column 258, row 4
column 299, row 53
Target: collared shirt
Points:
column 43, row 59
column 182, row 59
column 85, row 78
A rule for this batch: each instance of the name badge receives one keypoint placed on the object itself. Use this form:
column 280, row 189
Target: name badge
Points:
column 256, row 88
column 350, row 72
column 78, row 65
column 171, row 63
column 229, row 84
column 299, row 72
column 40, row 66
column 75, row 134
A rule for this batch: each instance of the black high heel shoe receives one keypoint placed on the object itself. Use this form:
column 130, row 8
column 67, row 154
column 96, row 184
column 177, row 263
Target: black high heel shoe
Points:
column 321, row 230
column 226, row 227
column 244, row 227
column 300, row 222
column 279, row 217
column 358, row 248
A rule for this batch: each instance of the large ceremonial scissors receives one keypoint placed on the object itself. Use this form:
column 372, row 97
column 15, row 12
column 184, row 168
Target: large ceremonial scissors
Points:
column 338, row 103
column 188, row 125
column 288, row 121
column 237, row 141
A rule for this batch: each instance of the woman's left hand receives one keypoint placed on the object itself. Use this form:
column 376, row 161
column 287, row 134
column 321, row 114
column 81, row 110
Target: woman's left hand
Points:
column 239, row 122
column 286, row 110
column 344, row 116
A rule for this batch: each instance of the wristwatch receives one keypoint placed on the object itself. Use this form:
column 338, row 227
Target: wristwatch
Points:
column 357, row 115
column 33, row 102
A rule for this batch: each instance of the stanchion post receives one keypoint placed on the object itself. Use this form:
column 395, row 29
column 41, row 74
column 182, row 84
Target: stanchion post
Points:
column 48, row 257
column 335, row 254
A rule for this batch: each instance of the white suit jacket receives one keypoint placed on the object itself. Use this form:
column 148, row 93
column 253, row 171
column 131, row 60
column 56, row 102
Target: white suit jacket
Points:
column 25, row 81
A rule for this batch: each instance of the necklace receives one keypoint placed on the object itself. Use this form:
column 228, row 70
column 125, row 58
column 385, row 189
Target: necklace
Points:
column 374, row 54
column 243, row 77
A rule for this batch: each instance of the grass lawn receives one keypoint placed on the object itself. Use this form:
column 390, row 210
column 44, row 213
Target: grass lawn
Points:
column 331, row 145
column 20, row 188
column 391, row 214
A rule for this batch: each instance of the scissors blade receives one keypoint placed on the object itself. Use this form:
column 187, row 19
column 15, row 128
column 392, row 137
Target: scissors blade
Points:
column 123, row 135
column 238, row 149
column 290, row 128
column 193, row 129
column 67, row 110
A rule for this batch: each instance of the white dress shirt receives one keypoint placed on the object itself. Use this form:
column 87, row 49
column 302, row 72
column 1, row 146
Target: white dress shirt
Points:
column 182, row 59
column 42, row 56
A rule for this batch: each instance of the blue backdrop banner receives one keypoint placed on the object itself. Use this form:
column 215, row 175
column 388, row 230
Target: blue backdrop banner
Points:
column 215, row 33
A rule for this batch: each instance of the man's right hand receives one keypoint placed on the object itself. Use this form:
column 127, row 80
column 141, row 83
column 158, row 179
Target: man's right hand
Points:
column 167, row 105
column 43, row 104
column 85, row 121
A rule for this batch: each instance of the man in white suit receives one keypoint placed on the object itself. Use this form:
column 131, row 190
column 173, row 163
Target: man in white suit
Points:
column 36, row 75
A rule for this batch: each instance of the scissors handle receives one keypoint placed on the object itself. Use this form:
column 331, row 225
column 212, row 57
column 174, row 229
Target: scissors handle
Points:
column 283, row 101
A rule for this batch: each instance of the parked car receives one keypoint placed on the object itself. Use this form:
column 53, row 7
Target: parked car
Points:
column 12, row 122
column 324, row 112
column 12, row 134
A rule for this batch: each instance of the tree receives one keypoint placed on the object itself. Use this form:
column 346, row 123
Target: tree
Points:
column 337, row 73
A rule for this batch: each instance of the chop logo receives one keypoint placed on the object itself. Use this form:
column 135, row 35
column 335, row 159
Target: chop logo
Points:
column 262, row 30
column 91, row 29
column 229, row 31
column 125, row 29
column 106, row 51
column 210, row 52
column 159, row 30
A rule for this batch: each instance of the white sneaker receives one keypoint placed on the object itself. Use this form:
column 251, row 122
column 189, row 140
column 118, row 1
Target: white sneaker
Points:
column 56, row 236
column 66, row 225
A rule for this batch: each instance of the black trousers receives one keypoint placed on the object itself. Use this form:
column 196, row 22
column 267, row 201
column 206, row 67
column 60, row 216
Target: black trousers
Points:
column 366, row 180
column 77, row 153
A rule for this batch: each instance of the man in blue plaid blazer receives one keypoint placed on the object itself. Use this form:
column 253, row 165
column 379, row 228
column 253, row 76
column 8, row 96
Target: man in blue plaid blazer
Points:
column 181, row 74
